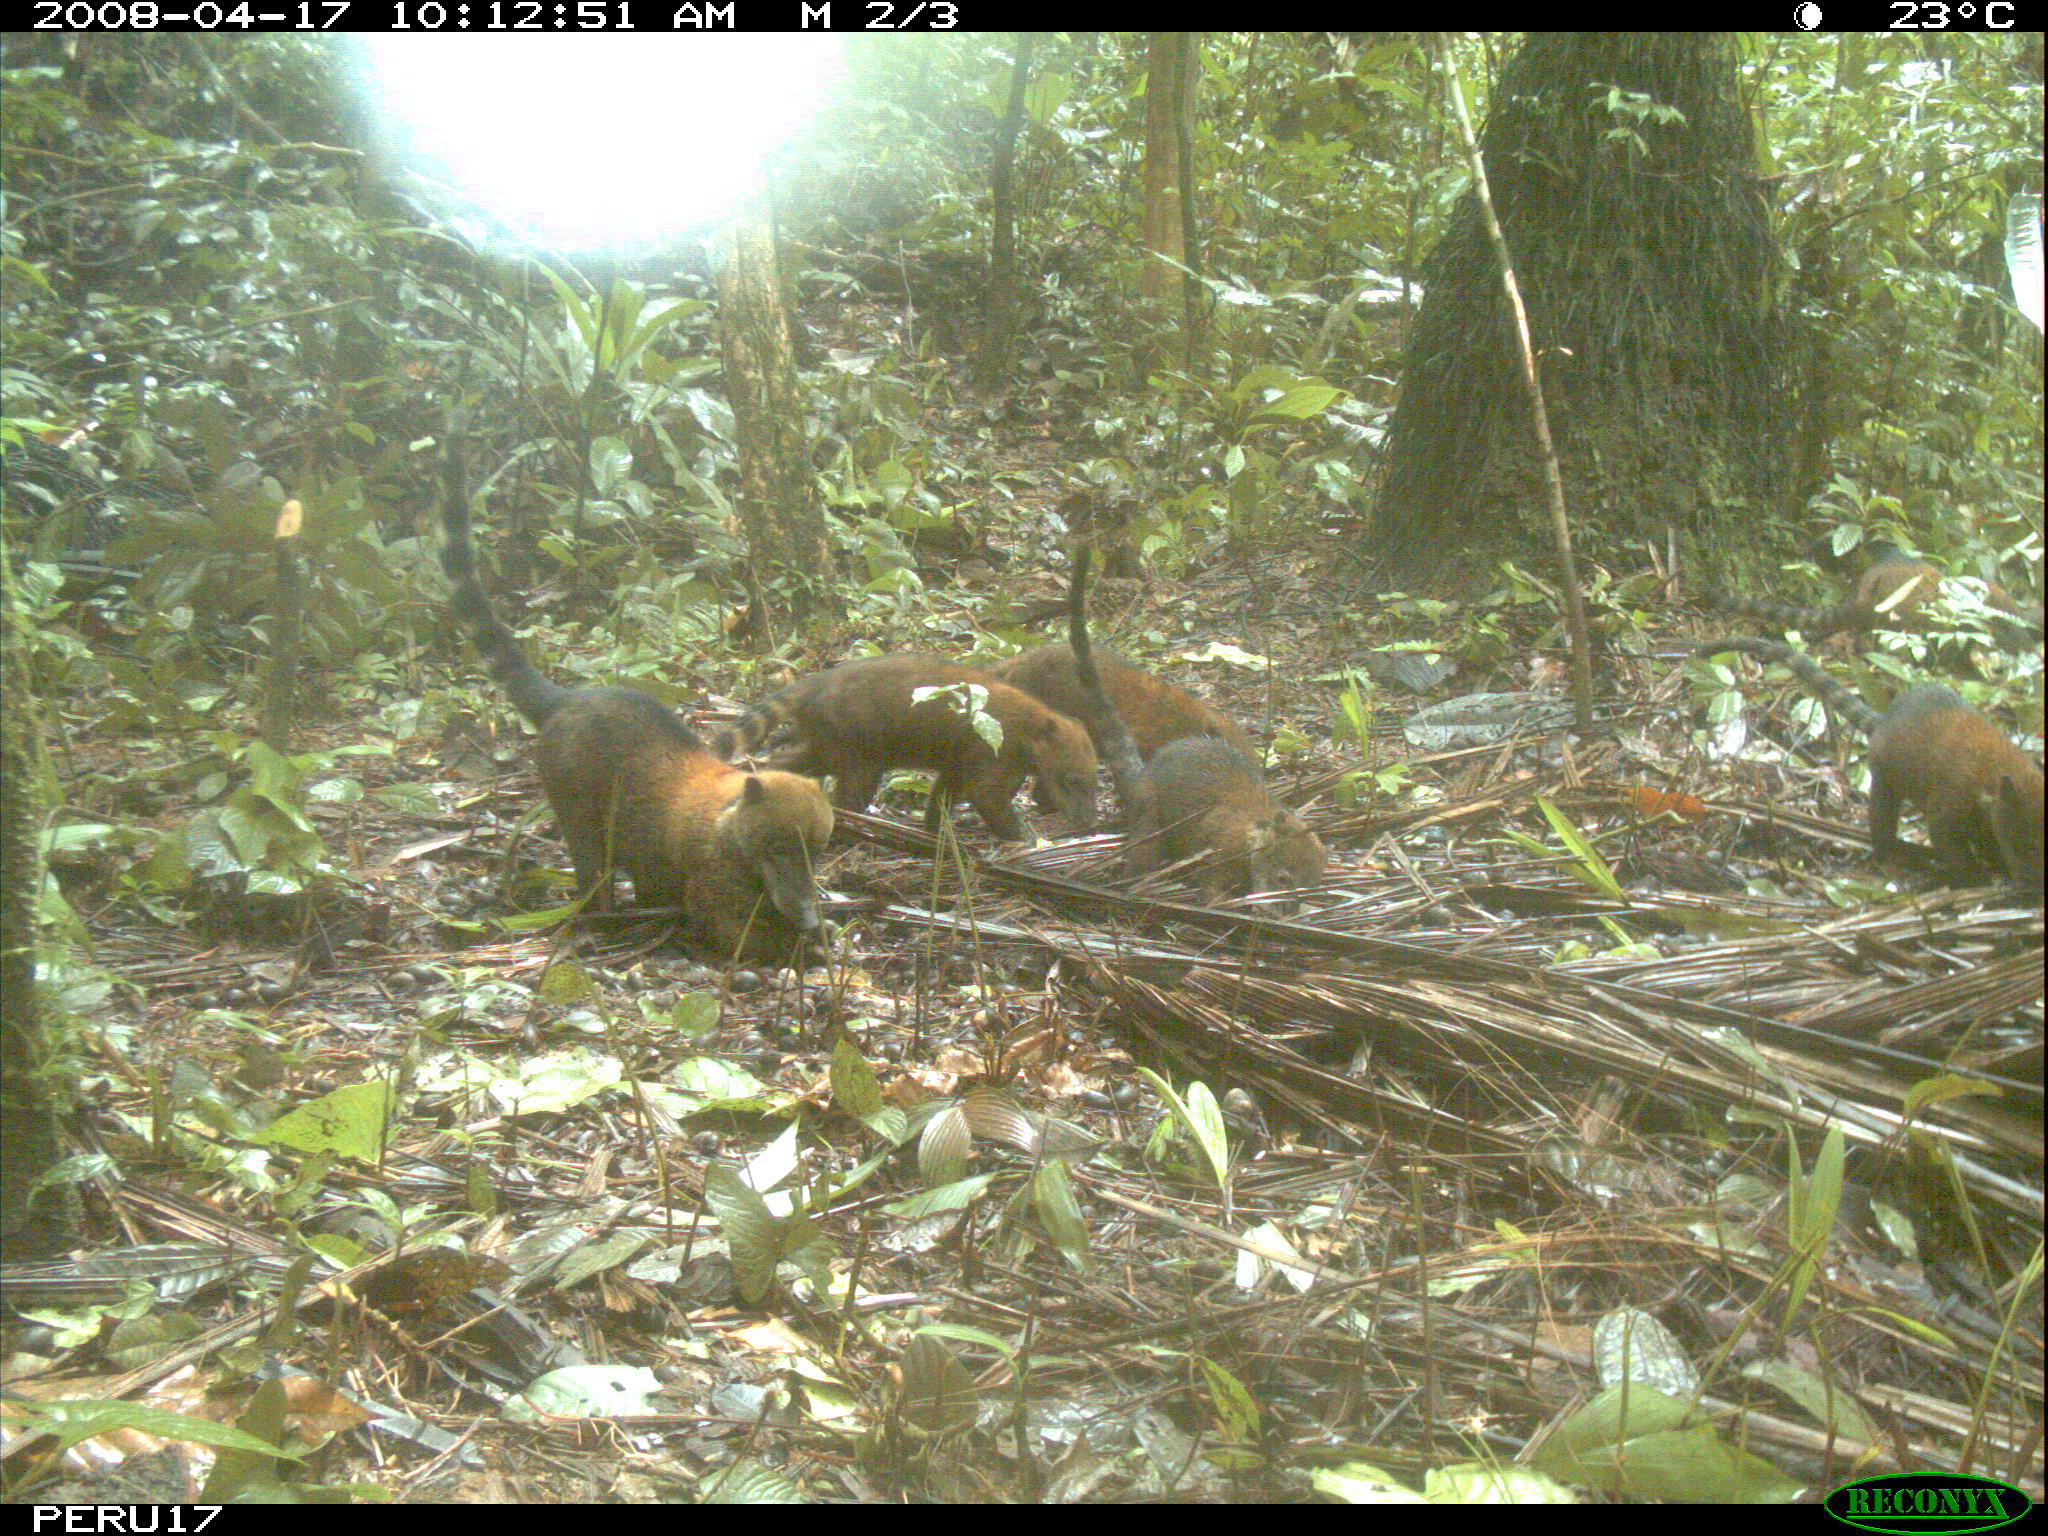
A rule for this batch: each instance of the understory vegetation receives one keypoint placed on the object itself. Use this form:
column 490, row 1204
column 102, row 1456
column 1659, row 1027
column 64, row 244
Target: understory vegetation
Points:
column 1606, row 1122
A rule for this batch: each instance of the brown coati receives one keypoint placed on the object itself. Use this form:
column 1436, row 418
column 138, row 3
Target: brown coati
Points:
column 859, row 719
column 1889, row 592
column 634, row 789
column 1979, row 794
column 1198, row 794
column 1208, row 797
column 1153, row 711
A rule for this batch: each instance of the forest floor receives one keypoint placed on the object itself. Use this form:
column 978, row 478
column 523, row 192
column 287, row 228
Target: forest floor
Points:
column 1447, row 1127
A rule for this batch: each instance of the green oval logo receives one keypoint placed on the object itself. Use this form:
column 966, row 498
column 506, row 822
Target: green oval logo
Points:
column 1923, row 1502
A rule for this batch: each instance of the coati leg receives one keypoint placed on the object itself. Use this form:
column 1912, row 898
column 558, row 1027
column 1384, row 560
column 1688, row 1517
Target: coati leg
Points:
column 2016, row 827
column 592, row 848
column 1885, row 805
column 989, row 793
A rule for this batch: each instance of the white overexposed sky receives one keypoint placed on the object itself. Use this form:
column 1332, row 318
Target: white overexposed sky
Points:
column 586, row 145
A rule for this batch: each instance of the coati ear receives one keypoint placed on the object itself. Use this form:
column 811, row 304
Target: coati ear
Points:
column 1258, row 838
column 827, row 785
column 753, row 790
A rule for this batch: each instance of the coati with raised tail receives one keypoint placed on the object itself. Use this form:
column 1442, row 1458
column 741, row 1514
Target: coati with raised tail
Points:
column 1150, row 709
column 1980, row 795
column 1889, row 592
column 859, row 719
column 634, row 789
column 1198, row 794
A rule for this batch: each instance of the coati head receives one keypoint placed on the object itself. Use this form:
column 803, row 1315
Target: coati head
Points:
column 1295, row 856
column 1279, row 853
column 1063, row 762
column 779, row 824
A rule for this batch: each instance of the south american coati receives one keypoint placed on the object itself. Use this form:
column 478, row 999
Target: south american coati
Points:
column 1198, row 794
column 1154, row 712
column 1979, row 794
column 859, row 719
column 1888, row 594
column 634, row 789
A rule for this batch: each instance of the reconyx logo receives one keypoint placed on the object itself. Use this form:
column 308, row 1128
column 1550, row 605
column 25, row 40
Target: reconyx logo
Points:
column 1924, row 1502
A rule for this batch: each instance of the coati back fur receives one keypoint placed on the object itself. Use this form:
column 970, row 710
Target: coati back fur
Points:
column 1153, row 711
column 857, row 720
column 1197, row 795
column 634, row 789
column 1889, row 592
column 1980, row 795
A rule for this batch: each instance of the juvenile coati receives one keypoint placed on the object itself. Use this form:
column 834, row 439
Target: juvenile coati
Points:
column 1197, row 794
column 1979, row 794
column 1888, row 594
column 634, row 789
column 858, row 720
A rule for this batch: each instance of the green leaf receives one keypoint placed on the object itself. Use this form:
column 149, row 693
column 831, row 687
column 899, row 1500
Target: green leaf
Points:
column 1237, row 1411
column 1593, row 869
column 752, row 1236
column 1301, row 403
column 967, row 1333
column 1205, row 1124
column 349, row 1122
column 854, row 1086
column 1204, row 1127
column 720, row 1084
column 946, row 1197
column 943, row 1148
column 1835, row 1410
column 1359, row 1482
column 590, row 1392
column 71, row 1422
column 412, row 799
column 695, row 1013
column 565, row 983
column 1052, row 1198
column 748, row 1482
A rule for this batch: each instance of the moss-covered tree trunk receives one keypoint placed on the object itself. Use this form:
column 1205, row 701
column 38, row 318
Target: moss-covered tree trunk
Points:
column 1169, row 118
column 31, row 1221
column 1624, row 171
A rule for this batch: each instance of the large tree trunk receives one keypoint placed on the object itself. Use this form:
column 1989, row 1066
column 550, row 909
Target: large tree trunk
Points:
column 1645, row 255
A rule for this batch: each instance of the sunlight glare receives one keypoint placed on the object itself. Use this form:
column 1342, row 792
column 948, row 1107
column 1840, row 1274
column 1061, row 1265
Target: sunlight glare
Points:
column 587, row 145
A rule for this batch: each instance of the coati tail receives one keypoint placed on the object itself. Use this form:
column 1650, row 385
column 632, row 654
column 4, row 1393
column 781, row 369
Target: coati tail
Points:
column 747, row 733
column 1839, row 697
column 1102, row 720
column 1815, row 623
column 532, row 694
